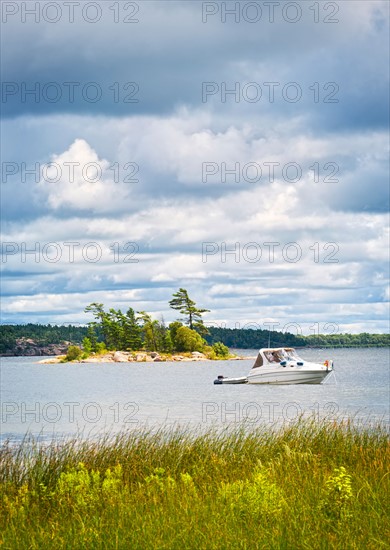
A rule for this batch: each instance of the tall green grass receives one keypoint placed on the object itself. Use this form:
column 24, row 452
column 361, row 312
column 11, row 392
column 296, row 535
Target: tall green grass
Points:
column 303, row 486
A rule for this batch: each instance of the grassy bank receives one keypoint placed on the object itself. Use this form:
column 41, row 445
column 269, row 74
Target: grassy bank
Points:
column 306, row 486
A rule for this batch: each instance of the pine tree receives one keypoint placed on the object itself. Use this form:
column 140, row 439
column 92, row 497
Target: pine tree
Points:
column 133, row 331
column 187, row 307
column 91, row 335
column 150, row 328
column 167, row 342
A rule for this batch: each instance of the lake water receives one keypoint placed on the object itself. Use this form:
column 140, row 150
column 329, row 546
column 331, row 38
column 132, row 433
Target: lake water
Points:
column 86, row 400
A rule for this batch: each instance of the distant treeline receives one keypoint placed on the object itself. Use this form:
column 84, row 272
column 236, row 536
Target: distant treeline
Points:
column 233, row 338
column 41, row 334
column 256, row 339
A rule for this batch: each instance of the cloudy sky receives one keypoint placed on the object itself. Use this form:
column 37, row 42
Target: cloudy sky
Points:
column 238, row 150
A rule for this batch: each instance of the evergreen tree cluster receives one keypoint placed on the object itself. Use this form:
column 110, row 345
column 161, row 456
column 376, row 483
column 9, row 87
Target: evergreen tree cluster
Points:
column 125, row 331
column 255, row 339
column 134, row 331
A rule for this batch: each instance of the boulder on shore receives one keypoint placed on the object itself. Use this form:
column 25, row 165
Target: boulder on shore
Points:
column 121, row 357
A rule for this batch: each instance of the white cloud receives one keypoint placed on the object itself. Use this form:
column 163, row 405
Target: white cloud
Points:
column 77, row 179
column 173, row 209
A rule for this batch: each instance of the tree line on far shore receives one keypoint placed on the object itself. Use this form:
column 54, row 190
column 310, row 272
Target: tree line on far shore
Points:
column 133, row 331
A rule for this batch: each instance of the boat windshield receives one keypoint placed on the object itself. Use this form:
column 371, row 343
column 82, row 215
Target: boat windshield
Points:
column 276, row 356
column 290, row 354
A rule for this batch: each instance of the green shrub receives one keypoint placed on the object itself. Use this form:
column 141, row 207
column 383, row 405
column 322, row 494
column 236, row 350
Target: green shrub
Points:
column 338, row 493
column 255, row 497
column 101, row 348
column 87, row 346
column 210, row 353
column 188, row 340
column 73, row 353
column 80, row 487
column 220, row 349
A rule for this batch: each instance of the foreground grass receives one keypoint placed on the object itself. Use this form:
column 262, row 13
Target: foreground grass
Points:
column 304, row 486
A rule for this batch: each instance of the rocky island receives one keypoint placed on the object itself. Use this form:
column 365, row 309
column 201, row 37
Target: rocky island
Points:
column 140, row 357
column 135, row 336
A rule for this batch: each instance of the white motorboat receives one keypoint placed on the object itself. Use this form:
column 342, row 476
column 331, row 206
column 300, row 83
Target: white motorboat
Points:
column 284, row 366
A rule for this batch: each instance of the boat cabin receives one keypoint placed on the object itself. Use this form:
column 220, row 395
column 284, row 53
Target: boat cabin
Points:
column 272, row 356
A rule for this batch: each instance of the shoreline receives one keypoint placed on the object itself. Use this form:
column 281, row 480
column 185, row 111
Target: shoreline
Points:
column 62, row 353
column 140, row 357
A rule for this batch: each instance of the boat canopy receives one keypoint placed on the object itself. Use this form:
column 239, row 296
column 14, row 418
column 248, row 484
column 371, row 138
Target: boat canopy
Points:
column 274, row 355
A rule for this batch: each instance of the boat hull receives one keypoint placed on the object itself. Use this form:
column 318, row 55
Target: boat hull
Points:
column 294, row 376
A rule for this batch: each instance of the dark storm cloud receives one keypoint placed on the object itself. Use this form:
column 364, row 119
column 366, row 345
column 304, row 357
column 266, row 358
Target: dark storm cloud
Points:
column 330, row 107
column 170, row 52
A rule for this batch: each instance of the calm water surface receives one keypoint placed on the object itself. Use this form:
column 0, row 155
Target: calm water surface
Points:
column 90, row 399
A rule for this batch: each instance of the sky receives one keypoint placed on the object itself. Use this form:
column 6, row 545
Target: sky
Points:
column 236, row 149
